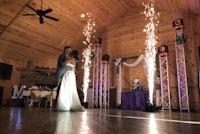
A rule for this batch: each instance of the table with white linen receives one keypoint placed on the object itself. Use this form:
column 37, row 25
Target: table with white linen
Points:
column 37, row 95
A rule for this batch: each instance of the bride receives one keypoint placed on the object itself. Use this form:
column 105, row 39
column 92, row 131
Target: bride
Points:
column 68, row 99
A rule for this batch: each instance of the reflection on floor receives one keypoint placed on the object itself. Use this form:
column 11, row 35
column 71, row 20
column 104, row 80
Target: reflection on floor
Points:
column 19, row 120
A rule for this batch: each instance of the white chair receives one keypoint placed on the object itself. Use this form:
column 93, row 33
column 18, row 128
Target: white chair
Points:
column 50, row 98
column 33, row 99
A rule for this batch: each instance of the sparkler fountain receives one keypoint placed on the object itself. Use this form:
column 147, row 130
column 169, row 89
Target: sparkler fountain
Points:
column 150, row 42
column 88, row 31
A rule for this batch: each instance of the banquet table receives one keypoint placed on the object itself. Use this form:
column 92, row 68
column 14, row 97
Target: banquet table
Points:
column 42, row 94
column 135, row 99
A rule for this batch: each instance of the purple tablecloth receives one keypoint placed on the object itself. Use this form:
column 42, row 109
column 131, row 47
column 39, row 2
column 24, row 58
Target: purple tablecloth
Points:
column 135, row 99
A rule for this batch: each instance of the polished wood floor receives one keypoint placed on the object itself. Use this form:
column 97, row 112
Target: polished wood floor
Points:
column 20, row 120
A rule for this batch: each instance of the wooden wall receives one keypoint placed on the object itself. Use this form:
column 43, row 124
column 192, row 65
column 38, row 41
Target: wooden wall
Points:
column 196, row 20
column 16, row 74
column 30, row 78
column 126, row 38
column 15, row 79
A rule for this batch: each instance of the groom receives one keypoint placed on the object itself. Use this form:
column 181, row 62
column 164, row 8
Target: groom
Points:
column 62, row 68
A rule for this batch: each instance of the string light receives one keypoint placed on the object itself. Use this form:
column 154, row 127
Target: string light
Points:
column 150, row 42
column 87, row 31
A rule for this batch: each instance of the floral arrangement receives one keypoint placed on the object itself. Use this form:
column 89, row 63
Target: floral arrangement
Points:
column 118, row 62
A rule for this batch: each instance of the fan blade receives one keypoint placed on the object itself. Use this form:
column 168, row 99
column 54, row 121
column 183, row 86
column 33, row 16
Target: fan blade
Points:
column 49, row 17
column 29, row 14
column 31, row 8
column 47, row 11
column 41, row 20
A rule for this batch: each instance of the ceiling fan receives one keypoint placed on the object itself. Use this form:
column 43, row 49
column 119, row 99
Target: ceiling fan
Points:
column 41, row 13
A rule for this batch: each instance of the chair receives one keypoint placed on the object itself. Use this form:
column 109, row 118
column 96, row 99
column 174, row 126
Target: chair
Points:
column 33, row 99
column 50, row 98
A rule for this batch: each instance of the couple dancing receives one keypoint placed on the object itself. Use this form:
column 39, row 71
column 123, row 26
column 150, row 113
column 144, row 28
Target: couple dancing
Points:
column 67, row 96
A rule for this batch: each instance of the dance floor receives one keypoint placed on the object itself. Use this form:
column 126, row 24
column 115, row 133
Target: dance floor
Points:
column 20, row 120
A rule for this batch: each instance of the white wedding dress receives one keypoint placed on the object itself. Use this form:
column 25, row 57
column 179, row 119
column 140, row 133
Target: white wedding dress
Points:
column 68, row 99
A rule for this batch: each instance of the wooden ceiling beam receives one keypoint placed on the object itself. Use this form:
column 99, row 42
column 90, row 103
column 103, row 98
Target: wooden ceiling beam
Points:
column 14, row 18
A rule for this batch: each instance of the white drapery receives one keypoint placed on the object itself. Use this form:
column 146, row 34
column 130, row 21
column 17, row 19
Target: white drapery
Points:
column 139, row 61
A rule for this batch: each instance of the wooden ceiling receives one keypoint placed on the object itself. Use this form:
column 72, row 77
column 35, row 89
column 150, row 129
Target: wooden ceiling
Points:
column 23, row 37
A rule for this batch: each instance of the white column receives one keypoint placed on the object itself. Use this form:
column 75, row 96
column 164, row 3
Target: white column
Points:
column 119, row 88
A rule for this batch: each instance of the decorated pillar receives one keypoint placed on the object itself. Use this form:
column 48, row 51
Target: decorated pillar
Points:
column 96, row 72
column 118, row 63
column 164, row 77
column 104, row 83
column 181, row 65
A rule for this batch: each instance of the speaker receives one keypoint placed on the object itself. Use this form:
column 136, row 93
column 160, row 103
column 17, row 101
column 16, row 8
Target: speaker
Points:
column 106, row 57
column 98, row 40
column 163, row 49
column 178, row 22
column 150, row 107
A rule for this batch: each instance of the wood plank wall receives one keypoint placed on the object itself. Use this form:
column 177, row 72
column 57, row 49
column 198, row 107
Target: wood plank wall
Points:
column 15, row 79
column 125, row 39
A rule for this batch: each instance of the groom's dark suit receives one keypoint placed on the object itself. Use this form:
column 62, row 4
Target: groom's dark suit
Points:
column 60, row 64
